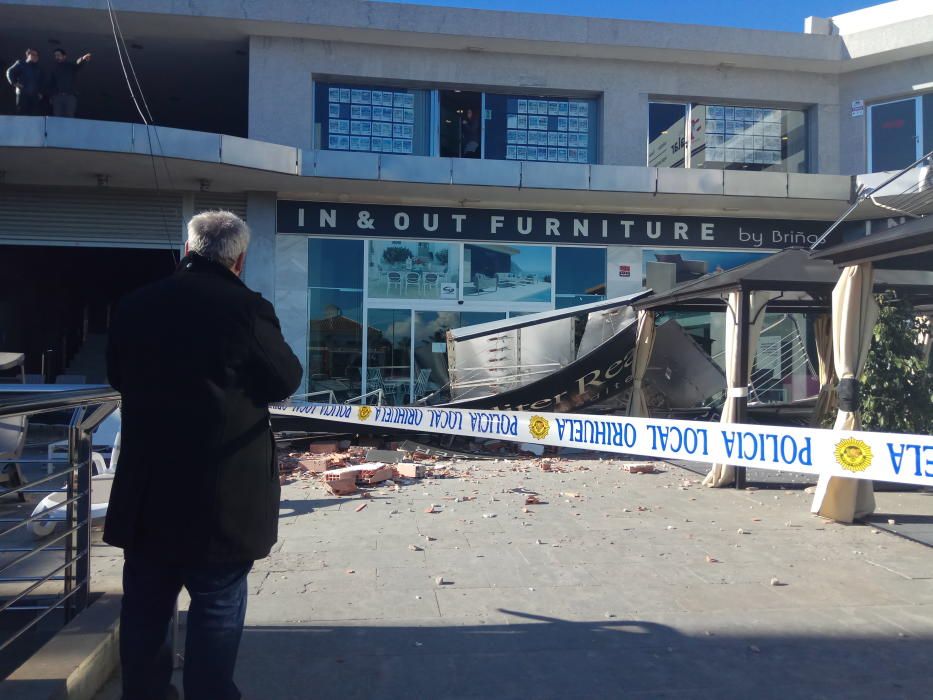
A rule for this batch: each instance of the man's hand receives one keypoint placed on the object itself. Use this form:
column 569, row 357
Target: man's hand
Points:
column 86, row 57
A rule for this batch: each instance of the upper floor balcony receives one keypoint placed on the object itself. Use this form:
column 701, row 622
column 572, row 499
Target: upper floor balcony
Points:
column 83, row 152
column 195, row 81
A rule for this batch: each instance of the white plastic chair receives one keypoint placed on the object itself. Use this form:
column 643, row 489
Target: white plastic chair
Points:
column 101, row 483
column 12, row 440
column 12, row 429
column 103, row 440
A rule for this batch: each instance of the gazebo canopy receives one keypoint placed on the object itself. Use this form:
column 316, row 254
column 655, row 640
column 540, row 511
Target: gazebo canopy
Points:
column 805, row 283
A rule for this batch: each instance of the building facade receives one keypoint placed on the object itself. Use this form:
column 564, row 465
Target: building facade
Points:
column 406, row 169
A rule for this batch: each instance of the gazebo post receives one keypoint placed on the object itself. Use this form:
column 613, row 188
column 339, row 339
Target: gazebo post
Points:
column 741, row 393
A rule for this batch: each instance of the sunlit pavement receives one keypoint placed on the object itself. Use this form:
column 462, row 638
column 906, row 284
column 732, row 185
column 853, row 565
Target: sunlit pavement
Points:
column 616, row 585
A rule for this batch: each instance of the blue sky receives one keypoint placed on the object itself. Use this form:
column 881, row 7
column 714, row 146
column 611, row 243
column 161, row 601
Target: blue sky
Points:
column 780, row 15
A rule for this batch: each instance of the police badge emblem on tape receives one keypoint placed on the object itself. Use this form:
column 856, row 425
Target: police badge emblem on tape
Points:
column 853, row 455
column 538, row 426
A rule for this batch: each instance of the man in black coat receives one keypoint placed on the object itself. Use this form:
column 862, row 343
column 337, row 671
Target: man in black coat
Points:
column 197, row 357
column 63, row 84
column 26, row 78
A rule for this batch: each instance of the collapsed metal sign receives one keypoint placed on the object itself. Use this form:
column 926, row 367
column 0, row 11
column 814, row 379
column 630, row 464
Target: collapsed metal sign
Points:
column 906, row 459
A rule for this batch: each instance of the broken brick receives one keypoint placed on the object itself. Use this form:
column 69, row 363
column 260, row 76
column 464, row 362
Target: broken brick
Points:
column 410, row 470
column 641, row 468
column 322, row 448
column 315, row 465
column 377, row 475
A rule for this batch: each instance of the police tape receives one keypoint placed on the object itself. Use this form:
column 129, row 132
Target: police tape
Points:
column 906, row 459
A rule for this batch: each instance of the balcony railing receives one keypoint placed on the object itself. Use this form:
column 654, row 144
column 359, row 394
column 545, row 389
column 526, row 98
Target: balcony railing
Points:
column 61, row 559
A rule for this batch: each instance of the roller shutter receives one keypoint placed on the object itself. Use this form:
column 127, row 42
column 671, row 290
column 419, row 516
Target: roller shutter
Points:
column 206, row 201
column 90, row 217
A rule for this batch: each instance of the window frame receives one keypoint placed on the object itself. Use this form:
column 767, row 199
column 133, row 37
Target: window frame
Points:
column 918, row 127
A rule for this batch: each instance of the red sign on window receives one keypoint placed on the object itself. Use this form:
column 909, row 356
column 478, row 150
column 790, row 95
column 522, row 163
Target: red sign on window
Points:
column 625, row 270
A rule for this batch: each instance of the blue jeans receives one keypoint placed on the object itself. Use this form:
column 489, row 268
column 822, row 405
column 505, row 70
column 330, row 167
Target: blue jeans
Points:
column 214, row 627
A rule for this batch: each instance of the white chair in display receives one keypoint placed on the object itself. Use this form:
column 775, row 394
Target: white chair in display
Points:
column 421, row 383
column 412, row 279
column 432, row 280
column 393, row 279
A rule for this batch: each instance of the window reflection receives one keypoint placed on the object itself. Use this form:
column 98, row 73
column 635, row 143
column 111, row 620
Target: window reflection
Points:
column 335, row 341
column 751, row 138
column 335, row 316
column 543, row 128
column 413, row 270
column 389, row 354
column 581, row 276
column 371, row 118
column 499, row 273
column 431, row 350
column 667, row 135
column 727, row 137
column 893, row 135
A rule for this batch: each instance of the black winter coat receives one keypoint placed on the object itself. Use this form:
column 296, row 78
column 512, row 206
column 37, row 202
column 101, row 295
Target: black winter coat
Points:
column 197, row 357
column 29, row 75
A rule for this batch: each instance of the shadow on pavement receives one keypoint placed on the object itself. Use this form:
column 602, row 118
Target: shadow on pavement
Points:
column 541, row 657
column 290, row 508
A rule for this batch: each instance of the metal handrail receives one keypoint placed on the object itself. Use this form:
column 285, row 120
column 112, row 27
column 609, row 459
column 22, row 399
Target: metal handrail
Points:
column 326, row 392
column 375, row 392
column 27, row 403
column 88, row 408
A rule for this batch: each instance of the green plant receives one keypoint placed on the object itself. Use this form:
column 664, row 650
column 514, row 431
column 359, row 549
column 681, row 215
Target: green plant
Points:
column 897, row 386
column 396, row 254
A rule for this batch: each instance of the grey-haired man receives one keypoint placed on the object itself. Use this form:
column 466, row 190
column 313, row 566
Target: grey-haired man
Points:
column 197, row 358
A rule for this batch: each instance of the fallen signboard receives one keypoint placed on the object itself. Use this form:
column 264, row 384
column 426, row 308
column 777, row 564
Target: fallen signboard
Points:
column 906, row 459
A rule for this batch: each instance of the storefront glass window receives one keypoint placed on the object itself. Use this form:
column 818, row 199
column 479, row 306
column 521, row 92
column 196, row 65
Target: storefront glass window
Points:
column 553, row 129
column 431, row 350
column 893, row 128
column 335, row 318
column 372, row 118
column 477, row 317
column 507, row 273
column 413, row 270
column 667, row 135
column 581, row 276
column 751, row 138
column 389, row 354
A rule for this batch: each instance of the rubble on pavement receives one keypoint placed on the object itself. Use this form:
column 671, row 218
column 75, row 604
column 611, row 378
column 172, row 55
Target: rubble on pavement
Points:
column 344, row 469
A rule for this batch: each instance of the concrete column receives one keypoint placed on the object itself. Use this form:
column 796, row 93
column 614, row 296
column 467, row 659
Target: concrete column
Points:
column 259, row 273
column 280, row 92
column 824, row 140
column 624, row 128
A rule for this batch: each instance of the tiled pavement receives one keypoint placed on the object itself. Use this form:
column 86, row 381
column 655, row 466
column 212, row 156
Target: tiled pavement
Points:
column 619, row 586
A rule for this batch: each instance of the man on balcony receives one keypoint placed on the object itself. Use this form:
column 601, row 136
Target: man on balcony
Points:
column 63, row 83
column 26, row 78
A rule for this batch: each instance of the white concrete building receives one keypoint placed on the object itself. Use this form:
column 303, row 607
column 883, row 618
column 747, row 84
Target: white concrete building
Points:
column 407, row 169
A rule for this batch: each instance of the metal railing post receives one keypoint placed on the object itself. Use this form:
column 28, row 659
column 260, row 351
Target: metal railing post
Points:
column 82, row 476
column 78, row 515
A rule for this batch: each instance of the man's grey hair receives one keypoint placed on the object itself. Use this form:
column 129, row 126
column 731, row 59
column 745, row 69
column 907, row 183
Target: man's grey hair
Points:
column 221, row 236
